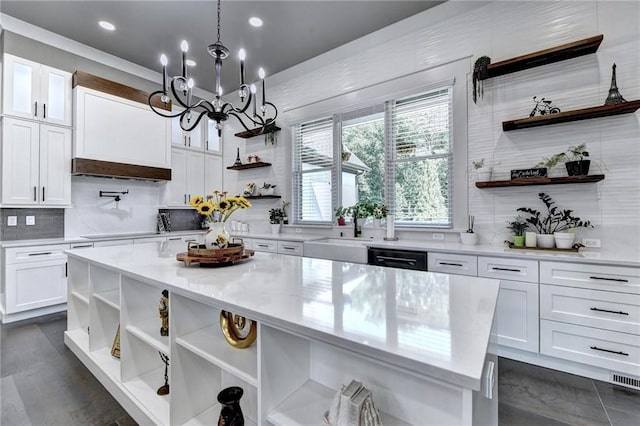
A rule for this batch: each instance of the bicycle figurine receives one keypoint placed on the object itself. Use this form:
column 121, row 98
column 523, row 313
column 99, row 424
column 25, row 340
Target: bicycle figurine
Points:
column 543, row 107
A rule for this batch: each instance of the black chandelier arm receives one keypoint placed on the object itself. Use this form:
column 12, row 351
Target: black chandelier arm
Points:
column 241, row 121
column 196, row 122
column 227, row 107
column 153, row 108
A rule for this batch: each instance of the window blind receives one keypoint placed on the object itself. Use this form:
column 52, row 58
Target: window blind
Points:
column 312, row 171
column 420, row 155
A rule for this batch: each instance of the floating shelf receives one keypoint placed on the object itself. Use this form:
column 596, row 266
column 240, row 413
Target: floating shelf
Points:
column 543, row 57
column 540, row 181
column 249, row 166
column 254, row 197
column 250, row 134
column 575, row 115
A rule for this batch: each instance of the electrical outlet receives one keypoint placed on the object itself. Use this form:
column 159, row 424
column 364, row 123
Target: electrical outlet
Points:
column 591, row 242
column 298, row 230
column 438, row 236
column 31, row 220
column 12, row 220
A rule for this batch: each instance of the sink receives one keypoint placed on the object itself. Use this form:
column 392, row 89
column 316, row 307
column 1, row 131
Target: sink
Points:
column 345, row 250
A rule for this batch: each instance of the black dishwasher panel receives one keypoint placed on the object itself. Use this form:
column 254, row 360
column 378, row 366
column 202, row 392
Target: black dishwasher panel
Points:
column 404, row 259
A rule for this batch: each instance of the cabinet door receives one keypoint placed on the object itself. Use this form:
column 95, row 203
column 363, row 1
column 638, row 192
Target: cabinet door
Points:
column 35, row 285
column 21, row 87
column 55, row 165
column 517, row 315
column 176, row 187
column 195, row 174
column 178, row 137
column 194, row 137
column 212, row 173
column 20, row 161
column 213, row 141
column 55, row 95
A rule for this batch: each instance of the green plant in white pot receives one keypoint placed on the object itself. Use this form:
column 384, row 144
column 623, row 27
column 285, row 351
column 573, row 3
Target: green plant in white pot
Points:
column 518, row 226
column 484, row 172
column 554, row 225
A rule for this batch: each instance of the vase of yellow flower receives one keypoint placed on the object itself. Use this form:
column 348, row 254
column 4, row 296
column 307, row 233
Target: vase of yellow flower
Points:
column 217, row 208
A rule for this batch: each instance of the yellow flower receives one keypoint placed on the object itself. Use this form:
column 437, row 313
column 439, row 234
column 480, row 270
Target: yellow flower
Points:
column 205, row 208
column 195, row 200
column 223, row 205
column 243, row 202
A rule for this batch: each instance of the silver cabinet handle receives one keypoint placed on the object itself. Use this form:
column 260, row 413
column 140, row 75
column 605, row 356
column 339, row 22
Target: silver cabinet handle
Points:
column 43, row 193
column 185, row 199
column 177, row 239
column 189, row 141
column 451, row 264
column 288, row 248
column 262, row 245
column 608, row 311
column 35, row 111
column 618, row 280
column 44, row 109
column 506, row 269
column 35, row 193
column 81, row 246
column 396, row 259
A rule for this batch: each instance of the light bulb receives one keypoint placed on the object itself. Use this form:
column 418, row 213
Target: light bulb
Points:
column 242, row 54
column 184, row 46
column 261, row 73
column 190, row 83
column 163, row 60
column 253, row 88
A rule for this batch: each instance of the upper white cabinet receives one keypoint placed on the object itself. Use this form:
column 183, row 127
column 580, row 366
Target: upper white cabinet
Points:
column 36, row 92
column 36, row 164
column 213, row 142
column 187, row 177
column 192, row 139
column 212, row 173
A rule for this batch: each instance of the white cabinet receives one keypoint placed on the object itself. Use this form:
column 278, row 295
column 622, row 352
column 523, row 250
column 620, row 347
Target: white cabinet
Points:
column 449, row 263
column 36, row 92
column 35, row 277
column 212, row 172
column 187, row 177
column 517, row 312
column 192, row 139
column 293, row 248
column 36, row 163
column 270, row 246
column 213, row 142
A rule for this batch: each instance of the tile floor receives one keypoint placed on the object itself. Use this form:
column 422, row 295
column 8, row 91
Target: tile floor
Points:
column 42, row 383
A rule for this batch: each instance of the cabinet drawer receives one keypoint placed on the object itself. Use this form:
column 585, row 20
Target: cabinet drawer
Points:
column 31, row 285
column 592, row 346
column 508, row 269
column 593, row 308
column 597, row 277
column 290, row 247
column 459, row 264
column 265, row 245
column 35, row 254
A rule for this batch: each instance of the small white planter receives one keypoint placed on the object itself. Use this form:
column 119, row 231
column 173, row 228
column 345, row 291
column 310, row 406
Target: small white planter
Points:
column 275, row 228
column 469, row 238
column 564, row 240
column 484, row 174
column 545, row 240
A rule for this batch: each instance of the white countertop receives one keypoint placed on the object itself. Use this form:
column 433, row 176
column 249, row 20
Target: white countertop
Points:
column 434, row 324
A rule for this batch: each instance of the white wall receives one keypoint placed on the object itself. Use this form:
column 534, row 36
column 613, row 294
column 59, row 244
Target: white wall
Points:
column 500, row 30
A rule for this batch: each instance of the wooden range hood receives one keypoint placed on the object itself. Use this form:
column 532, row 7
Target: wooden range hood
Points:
column 102, row 167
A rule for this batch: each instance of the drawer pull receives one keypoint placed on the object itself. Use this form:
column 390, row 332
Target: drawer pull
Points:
column 595, row 348
column 619, row 280
column 177, row 239
column 40, row 254
column 506, row 269
column 81, row 246
column 288, row 248
column 611, row 312
column 262, row 245
column 451, row 264
column 396, row 259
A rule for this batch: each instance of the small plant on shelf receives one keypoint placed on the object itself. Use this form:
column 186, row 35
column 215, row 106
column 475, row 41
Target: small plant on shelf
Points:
column 478, row 164
column 574, row 158
column 276, row 216
column 518, row 226
column 484, row 172
column 554, row 219
column 341, row 212
column 379, row 211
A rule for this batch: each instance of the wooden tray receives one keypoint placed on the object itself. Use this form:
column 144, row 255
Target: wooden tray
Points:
column 213, row 261
column 574, row 249
column 199, row 250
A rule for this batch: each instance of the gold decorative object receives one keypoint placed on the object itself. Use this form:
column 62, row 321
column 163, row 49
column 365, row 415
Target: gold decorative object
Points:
column 237, row 330
column 115, row 346
column 163, row 311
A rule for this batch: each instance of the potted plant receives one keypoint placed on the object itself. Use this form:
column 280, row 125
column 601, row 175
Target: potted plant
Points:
column 484, row 173
column 554, row 224
column 267, row 189
column 576, row 164
column 276, row 216
column 341, row 212
column 469, row 237
column 518, row 226
column 379, row 212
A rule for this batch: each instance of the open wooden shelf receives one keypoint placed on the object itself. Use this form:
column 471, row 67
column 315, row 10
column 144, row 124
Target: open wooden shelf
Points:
column 540, row 181
column 254, row 197
column 575, row 115
column 546, row 56
column 249, row 166
column 251, row 134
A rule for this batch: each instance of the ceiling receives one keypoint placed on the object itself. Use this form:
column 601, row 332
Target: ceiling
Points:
column 293, row 31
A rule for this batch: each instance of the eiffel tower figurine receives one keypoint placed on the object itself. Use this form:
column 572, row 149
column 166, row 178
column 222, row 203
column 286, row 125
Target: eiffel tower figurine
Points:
column 614, row 97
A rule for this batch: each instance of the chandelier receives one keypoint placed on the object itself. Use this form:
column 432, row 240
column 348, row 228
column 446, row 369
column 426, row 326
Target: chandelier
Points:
column 178, row 90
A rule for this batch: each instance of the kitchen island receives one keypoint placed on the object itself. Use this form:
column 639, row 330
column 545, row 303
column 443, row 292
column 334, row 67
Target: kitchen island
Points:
column 422, row 342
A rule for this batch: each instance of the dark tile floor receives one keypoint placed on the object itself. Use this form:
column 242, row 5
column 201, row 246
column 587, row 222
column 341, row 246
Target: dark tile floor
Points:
column 43, row 383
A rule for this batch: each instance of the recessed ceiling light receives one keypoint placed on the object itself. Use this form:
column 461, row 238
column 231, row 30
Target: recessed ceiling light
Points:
column 191, row 63
column 255, row 21
column 107, row 25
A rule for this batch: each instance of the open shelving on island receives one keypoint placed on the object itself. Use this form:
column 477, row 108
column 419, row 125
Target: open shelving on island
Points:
column 540, row 181
column 546, row 56
column 575, row 115
column 249, row 166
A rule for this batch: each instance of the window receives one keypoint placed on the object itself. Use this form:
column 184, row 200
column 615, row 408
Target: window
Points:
column 398, row 153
